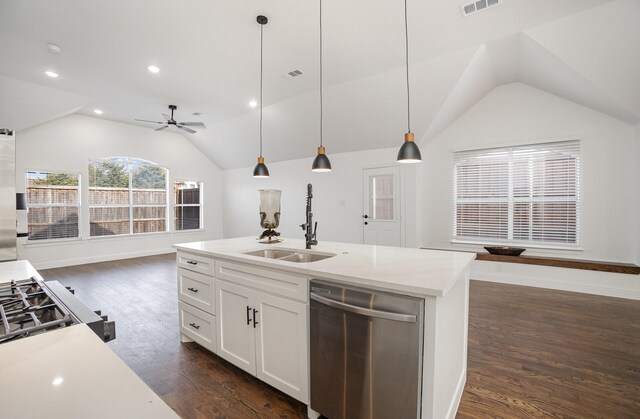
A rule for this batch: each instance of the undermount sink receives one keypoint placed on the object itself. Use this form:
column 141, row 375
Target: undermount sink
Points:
column 290, row 255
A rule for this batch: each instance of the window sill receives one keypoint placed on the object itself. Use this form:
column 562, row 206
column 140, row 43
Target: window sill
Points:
column 590, row 265
column 77, row 240
column 50, row 242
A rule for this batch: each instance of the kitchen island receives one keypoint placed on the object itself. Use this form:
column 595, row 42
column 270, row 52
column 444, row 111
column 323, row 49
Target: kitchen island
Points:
column 249, row 303
column 69, row 373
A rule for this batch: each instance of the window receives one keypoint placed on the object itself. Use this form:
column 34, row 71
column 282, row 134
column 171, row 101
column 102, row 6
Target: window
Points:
column 126, row 196
column 525, row 194
column 53, row 200
column 188, row 208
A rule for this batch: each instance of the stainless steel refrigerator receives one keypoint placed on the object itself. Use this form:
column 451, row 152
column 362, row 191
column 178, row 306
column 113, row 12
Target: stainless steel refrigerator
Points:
column 7, row 195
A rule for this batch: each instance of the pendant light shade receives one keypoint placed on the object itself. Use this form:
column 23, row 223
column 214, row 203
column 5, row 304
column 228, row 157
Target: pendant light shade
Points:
column 261, row 171
column 409, row 152
column 321, row 163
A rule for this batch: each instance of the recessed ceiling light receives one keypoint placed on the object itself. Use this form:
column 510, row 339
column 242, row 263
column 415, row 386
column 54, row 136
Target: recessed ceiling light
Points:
column 253, row 103
column 51, row 74
column 154, row 69
column 97, row 111
column 57, row 381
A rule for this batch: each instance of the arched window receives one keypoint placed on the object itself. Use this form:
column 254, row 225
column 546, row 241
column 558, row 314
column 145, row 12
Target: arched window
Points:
column 127, row 196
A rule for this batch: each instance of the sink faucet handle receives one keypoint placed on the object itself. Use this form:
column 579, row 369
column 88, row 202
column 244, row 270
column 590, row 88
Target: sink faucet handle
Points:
column 315, row 230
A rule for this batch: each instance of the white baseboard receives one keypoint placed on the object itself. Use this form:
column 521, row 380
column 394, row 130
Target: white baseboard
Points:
column 575, row 280
column 100, row 258
column 455, row 402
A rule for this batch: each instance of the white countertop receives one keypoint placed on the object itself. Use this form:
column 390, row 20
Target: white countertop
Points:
column 18, row 270
column 398, row 269
column 71, row 373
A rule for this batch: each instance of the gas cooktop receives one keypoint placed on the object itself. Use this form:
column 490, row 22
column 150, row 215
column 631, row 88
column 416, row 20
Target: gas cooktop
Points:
column 29, row 307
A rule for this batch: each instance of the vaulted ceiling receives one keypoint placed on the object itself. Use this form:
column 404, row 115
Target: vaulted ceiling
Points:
column 587, row 51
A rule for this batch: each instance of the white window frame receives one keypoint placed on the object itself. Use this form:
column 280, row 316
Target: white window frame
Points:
column 175, row 205
column 510, row 200
column 78, row 204
column 129, row 162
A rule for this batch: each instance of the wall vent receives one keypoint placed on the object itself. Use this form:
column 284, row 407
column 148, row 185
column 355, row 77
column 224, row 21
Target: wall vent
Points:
column 295, row 73
column 478, row 6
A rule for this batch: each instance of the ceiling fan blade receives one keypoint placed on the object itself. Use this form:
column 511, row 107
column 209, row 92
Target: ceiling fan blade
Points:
column 186, row 129
column 161, row 128
column 165, row 116
column 192, row 124
column 146, row 120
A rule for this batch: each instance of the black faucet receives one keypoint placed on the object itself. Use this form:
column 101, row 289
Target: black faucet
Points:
column 310, row 232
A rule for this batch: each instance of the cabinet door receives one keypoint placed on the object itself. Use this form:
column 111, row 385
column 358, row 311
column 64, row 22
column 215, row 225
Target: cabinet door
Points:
column 282, row 345
column 236, row 336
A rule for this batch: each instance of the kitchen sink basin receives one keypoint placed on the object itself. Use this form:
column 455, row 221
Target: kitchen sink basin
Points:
column 297, row 256
column 271, row 253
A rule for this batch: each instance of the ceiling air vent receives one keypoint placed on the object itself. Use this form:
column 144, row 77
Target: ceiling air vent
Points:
column 295, row 73
column 478, row 6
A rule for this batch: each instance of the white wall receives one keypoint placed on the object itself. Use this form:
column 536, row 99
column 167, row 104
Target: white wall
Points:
column 518, row 114
column 337, row 196
column 67, row 144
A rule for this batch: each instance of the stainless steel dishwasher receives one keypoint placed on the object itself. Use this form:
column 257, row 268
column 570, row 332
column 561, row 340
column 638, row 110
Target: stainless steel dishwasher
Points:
column 366, row 353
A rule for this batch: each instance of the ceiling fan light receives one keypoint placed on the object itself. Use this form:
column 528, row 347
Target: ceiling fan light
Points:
column 409, row 152
column 321, row 163
column 261, row 170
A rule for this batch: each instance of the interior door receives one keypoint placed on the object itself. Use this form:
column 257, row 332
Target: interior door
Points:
column 381, row 218
column 235, row 325
column 282, row 346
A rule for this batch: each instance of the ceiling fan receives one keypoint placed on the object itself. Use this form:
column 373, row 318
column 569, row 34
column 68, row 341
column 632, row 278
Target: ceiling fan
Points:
column 170, row 121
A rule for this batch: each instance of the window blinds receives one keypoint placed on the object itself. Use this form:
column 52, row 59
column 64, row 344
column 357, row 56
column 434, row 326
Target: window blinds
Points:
column 523, row 194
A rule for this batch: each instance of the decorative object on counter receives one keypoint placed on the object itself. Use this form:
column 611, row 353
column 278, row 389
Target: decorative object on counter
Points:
column 261, row 170
column 169, row 120
column 409, row 152
column 270, row 215
column 505, row 250
column 321, row 163
column 309, row 228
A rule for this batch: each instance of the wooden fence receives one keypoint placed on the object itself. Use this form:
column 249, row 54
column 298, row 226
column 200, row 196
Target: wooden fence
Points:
column 53, row 210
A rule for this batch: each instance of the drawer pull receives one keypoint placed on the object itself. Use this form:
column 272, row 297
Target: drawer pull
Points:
column 193, row 289
column 192, row 262
column 248, row 315
column 195, row 326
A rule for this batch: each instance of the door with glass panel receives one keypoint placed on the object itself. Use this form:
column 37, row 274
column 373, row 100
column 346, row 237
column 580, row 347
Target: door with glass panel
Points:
column 381, row 220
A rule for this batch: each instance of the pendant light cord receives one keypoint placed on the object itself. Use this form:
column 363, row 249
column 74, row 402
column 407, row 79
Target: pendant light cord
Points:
column 261, row 28
column 320, row 73
column 406, row 44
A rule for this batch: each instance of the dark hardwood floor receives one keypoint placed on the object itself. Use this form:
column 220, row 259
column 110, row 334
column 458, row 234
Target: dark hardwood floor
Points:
column 532, row 352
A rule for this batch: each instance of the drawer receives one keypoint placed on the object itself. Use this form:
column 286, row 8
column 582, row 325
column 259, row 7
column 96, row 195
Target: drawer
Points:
column 195, row 263
column 196, row 289
column 198, row 325
column 276, row 282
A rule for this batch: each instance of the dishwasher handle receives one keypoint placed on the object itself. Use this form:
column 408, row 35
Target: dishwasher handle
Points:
column 380, row 314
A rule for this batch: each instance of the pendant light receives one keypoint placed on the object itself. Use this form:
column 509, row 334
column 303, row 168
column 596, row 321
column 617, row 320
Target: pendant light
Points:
column 261, row 171
column 321, row 163
column 409, row 152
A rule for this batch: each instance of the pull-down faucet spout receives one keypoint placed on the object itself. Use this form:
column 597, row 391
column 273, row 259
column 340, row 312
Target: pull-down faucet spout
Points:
column 308, row 226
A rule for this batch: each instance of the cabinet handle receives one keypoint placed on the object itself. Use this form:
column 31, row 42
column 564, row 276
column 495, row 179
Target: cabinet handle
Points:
column 248, row 315
column 254, row 318
column 193, row 289
column 192, row 262
column 195, row 326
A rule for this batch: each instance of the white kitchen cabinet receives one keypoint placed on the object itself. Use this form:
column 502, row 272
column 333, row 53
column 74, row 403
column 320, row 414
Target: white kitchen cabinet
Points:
column 265, row 335
column 236, row 338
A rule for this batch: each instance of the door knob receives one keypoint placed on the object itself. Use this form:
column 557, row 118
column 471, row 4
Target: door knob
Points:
column 365, row 216
column 366, row 223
